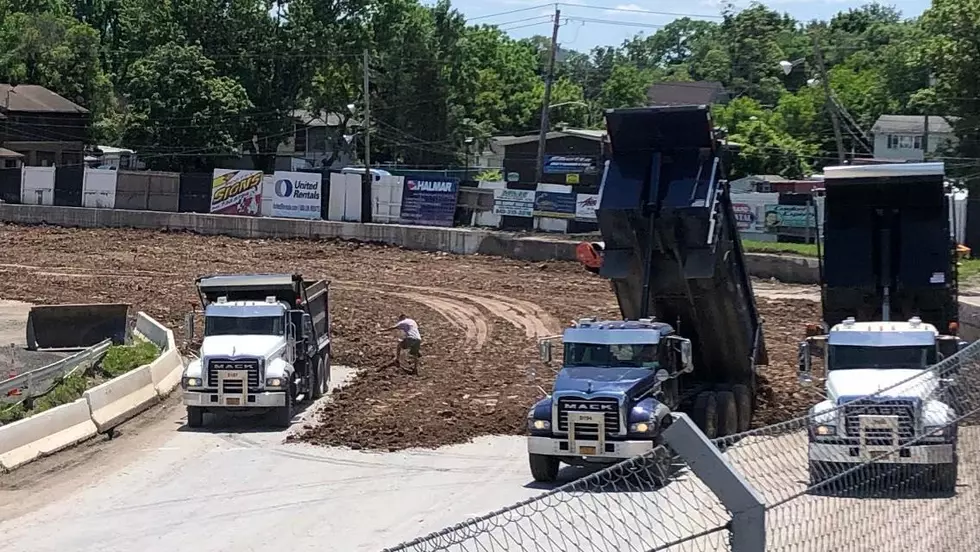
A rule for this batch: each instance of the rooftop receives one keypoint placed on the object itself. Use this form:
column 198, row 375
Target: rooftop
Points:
column 686, row 93
column 32, row 98
column 587, row 133
column 912, row 124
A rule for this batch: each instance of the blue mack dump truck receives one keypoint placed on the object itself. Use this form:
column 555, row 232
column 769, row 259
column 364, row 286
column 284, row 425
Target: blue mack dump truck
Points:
column 691, row 337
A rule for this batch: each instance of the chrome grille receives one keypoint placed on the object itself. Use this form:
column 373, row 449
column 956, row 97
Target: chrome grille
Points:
column 233, row 386
column 903, row 409
column 607, row 406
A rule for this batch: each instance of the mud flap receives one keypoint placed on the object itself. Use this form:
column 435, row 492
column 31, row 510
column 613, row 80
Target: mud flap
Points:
column 75, row 326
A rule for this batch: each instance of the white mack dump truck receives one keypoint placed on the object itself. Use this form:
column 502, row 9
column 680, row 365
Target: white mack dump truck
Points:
column 266, row 345
column 889, row 294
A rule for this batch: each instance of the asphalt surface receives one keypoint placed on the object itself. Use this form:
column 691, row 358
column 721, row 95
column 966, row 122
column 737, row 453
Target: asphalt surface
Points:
column 14, row 359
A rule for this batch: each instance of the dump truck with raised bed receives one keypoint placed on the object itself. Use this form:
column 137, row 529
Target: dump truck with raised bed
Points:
column 266, row 345
column 889, row 291
column 690, row 337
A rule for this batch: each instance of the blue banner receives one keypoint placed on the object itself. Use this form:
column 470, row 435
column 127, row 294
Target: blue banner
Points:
column 554, row 205
column 569, row 164
column 429, row 202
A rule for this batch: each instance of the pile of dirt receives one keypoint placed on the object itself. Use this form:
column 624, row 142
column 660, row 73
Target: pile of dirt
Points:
column 479, row 318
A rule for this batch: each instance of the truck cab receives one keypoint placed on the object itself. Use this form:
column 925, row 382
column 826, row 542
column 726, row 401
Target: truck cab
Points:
column 257, row 353
column 611, row 397
column 881, row 395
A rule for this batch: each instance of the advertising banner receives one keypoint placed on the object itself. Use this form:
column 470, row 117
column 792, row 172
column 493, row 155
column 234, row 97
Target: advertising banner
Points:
column 513, row 203
column 297, row 194
column 236, row 192
column 789, row 216
column 585, row 206
column 564, row 164
column 745, row 217
column 429, row 202
column 554, row 205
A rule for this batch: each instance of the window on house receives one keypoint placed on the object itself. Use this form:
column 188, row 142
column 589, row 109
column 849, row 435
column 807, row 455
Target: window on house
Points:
column 904, row 141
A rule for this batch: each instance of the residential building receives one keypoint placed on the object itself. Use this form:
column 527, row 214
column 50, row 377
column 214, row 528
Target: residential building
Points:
column 318, row 141
column 45, row 128
column 687, row 93
column 900, row 137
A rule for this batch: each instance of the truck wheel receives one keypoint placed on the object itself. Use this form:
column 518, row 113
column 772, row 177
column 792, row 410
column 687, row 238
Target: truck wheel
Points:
column 727, row 414
column 317, row 385
column 283, row 415
column 706, row 413
column 944, row 477
column 195, row 416
column 743, row 403
column 544, row 469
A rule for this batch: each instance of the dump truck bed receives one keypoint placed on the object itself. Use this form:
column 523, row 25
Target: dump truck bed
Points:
column 671, row 243
column 887, row 226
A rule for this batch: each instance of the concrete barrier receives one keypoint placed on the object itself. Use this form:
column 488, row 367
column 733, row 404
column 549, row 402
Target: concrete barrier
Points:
column 969, row 318
column 167, row 369
column 121, row 398
column 46, row 433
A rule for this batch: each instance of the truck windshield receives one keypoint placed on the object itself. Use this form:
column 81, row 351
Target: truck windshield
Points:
column 844, row 357
column 236, row 325
column 611, row 356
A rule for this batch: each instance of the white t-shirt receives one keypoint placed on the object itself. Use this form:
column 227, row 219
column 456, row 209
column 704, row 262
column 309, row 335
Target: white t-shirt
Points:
column 410, row 328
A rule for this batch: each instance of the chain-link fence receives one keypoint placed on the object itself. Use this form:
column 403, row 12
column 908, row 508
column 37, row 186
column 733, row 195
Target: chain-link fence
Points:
column 894, row 468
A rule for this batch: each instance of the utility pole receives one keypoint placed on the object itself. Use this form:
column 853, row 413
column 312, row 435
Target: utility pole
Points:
column 366, row 116
column 818, row 55
column 925, row 137
column 543, row 133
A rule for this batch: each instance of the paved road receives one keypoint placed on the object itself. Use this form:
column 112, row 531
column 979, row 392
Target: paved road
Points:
column 13, row 317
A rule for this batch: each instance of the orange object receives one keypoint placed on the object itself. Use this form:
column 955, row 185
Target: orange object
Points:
column 812, row 330
column 587, row 255
column 953, row 328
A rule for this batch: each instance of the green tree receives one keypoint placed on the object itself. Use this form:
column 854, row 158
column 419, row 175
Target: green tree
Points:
column 181, row 113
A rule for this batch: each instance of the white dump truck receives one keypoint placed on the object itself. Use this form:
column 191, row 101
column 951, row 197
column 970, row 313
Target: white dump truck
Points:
column 266, row 345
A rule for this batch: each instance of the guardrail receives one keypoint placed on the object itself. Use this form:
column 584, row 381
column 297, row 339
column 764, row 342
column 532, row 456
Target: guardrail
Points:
column 39, row 382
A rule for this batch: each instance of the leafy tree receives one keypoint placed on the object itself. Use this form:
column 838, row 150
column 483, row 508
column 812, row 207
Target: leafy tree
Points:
column 180, row 112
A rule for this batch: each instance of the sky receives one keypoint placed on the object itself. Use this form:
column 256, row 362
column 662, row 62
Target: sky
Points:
column 590, row 23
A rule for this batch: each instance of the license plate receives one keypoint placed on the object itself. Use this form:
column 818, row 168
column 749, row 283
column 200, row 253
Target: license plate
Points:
column 234, row 375
column 233, row 401
column 586, row 450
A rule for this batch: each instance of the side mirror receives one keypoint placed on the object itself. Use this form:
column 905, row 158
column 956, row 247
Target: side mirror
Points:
column 544, row 351
column 307, row 325
column 804, row 358
column 662, row 376
column 189, row 326
column 687, row 356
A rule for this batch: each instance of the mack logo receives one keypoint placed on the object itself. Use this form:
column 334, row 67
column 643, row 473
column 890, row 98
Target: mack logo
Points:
column 595, row 407
column 232, row 365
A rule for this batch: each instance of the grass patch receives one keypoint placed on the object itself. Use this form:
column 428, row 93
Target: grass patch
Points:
column 801, row 249
column 123, row 358
column 69, row 390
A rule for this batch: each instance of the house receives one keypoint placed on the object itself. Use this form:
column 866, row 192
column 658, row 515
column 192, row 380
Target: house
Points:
column 43, row 127
column 572, row 156
column 318, row 141
column 900, row 137
column 687, row 93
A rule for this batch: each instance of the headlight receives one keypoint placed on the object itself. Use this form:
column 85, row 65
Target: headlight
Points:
column 823, row 430
column 940, row 432
column 538, row 425
column 275, row 382
column 192, row 382
column 642, row 427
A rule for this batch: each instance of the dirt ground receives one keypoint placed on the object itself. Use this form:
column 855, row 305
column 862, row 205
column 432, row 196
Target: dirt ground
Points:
column 479, row 318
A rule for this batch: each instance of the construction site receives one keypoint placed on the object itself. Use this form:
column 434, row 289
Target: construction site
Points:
column 479, row 317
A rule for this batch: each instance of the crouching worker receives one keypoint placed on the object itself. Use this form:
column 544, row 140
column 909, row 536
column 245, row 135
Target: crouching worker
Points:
column 411, row 340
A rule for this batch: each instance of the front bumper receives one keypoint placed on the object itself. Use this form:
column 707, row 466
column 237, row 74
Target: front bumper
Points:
column 213, row 399
column 852, row 454
column 590, row 450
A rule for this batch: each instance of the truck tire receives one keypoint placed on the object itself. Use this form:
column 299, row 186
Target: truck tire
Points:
column 317, row 383
column 544, row 469
column 944, row 477
column 743, row 403
column 195, row 416
column 706, row 413
column 283, row 415
column 727, row 414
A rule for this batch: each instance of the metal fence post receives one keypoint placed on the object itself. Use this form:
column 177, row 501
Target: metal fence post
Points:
column 748, row 528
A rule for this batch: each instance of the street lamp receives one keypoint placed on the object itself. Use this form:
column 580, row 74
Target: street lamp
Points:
column 788, row 66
